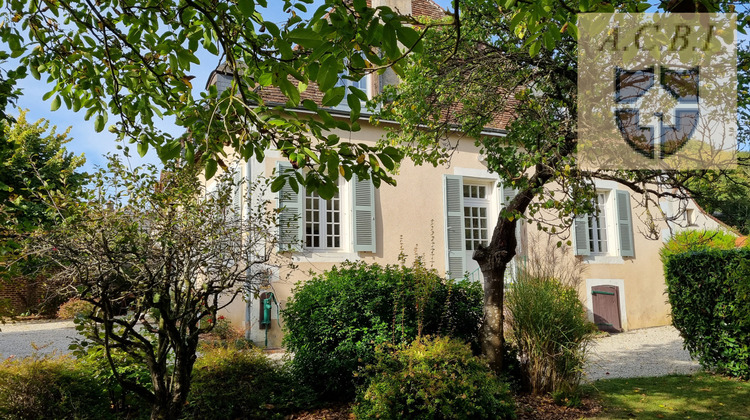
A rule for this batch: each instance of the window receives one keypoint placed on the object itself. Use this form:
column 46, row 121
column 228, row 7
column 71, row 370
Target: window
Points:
column 361, row 83
column 322, row 221
column 598, row 226
column 592, row 233
column 475, row 215
column 344, row 223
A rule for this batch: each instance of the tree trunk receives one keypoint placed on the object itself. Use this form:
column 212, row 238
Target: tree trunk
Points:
column 492, row 340
column 493, row 261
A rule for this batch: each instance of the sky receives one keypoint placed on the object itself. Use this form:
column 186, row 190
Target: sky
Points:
column 94, row 145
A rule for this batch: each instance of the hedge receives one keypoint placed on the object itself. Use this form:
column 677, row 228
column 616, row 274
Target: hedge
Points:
column 335, row 320
column 710, row 296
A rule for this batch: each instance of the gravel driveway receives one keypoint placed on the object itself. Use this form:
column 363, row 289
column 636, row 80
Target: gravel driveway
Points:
column 19, row 339
column 647, row 352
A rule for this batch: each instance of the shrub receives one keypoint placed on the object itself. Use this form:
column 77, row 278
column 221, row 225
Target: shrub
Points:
column 335, row 320
column 548, row 325
column 224, row 330
column 73, row 308
column 92, row 360
column 228, row 383
column 697, row 240
column 709, row 292
column 432, row 379
column 50, row 387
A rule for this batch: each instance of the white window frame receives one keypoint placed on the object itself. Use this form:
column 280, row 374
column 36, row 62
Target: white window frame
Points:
column 604, row 214
column 323, row 222
column 615, row 253
column 346, row 250
column 476, row 202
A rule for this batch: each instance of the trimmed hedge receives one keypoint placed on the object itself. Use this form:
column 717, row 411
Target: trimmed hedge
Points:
column 335, row 320
column 697, row 240
column 710, row 296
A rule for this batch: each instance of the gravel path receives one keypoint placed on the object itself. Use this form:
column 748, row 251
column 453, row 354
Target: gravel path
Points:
column 646, row 352
column 19, row 339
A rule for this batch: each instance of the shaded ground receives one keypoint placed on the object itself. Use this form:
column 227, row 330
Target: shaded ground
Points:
column 543, row 408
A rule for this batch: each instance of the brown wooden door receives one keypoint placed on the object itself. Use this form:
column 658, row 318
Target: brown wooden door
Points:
column 606, row 302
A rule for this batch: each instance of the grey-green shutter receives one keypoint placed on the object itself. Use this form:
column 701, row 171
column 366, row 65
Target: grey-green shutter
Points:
column 290, row 216
column 364, row 215
column 454, row 225
column 625, row 224
column 581, row 235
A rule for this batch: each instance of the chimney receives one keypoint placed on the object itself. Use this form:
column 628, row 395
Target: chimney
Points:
column 402, row 7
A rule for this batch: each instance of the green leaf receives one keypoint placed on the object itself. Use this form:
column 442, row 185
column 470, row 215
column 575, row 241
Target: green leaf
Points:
column 334, row 96
column 55, row 103
column 247, row 7
column 278, row 183
column 99, row 123
column 535, row 47
column 305, row 37
column 211, row 167
column 409, row 38
column 265, row 79
column 142, row 148
column 327, row 190
column 390, row 46
column 328, row 74
column 355, row 106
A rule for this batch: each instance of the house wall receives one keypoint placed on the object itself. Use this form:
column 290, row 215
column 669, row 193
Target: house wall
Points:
column 412, row 215
column 640, row 279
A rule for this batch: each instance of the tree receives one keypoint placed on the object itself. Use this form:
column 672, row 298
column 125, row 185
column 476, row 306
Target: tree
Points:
column 526, row 53
column 34, row 166
column 133, row 61
column 725, row 195
column 155, row 243
column 35, row 169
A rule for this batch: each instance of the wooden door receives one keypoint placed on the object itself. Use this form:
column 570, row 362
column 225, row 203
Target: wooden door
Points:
column 606, row 306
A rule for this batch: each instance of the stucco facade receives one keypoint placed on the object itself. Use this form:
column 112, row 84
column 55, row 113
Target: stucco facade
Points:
column 452, row 208
column 414, row 215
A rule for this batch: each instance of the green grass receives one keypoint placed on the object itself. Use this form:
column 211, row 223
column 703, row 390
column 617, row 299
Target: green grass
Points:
column 695, row 397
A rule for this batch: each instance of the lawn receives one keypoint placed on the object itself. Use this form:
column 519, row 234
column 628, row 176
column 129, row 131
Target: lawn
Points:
column 699, row 396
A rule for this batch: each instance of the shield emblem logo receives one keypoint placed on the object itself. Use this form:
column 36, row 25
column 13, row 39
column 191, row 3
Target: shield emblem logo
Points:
column 657, row 128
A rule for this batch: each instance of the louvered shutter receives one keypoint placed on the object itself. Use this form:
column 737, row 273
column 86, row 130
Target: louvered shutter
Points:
column 508, row 194
column 454, row 236
column 581, row 235
column 364, row 215
column 625, row 224
column 290, row 216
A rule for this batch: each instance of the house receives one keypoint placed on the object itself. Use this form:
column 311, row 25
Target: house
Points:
column 454, row 209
